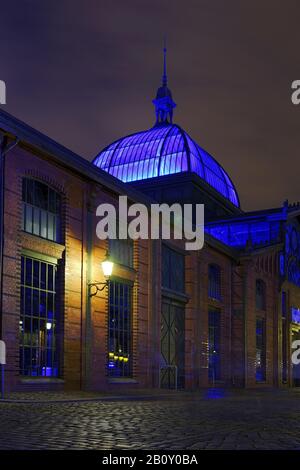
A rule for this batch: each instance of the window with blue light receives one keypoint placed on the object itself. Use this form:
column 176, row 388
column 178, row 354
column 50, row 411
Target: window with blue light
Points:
column 41, row 210
column 214, row 282
column 238, row 234
column 120, row 330
column 38, row 319
column 260, row 350
column 214, row 345
column 295, row 315
column 282, row 264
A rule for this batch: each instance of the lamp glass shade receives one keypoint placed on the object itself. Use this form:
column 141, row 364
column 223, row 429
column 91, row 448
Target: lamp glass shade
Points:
column 107, row 267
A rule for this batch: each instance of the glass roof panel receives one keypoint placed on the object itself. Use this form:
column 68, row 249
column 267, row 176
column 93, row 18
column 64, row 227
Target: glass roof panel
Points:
column 164, row 149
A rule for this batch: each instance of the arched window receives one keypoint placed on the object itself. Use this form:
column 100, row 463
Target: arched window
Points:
column 41, row 210
column 260, row 294
column 214, row 281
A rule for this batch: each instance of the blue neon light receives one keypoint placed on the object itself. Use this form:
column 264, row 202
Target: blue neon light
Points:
column 281, row 264
column 295, row 315
column 163, row 150
column 215, row 393
column 238, row 234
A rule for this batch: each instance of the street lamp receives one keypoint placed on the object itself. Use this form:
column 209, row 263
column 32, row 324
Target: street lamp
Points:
column 107, row 268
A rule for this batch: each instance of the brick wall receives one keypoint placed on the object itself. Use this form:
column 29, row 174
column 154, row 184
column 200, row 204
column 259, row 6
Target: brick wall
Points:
column 84, row 319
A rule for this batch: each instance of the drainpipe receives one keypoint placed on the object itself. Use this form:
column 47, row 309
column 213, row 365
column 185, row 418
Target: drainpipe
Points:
column 4, row 149
column 245, row 307
column 230, row 372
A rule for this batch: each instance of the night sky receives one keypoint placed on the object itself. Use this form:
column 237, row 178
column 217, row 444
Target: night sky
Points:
column 84, row 72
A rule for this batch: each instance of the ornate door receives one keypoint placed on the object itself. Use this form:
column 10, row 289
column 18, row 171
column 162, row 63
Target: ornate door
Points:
column 172, row 345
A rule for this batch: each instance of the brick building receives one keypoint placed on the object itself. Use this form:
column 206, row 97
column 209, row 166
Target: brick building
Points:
column 225, row 315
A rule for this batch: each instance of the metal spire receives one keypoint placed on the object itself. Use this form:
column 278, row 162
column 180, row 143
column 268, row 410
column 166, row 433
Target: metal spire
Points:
column 164, row 78
column 163, row 102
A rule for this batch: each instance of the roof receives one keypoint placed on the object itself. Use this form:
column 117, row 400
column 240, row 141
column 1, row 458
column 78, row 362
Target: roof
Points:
column 163, row 150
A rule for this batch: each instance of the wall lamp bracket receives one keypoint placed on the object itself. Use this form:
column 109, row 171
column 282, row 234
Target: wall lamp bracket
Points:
column 95, row 287
column 107, row 268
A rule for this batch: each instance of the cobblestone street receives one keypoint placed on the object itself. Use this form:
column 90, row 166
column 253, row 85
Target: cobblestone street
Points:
column 204, row 420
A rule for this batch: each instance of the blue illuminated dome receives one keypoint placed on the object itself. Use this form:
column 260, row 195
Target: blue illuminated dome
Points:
column 164, row 149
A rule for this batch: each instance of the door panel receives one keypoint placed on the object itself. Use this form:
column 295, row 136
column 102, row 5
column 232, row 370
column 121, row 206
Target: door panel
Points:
column 172, row 345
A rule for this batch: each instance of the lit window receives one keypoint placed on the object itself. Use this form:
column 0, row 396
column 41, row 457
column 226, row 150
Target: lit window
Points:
column 119, row 330
column 260, row 294
column 41, row 210
column 38, row 319
column 214, row 282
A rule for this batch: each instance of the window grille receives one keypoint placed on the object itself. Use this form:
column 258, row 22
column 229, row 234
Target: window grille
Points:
column 38, row 319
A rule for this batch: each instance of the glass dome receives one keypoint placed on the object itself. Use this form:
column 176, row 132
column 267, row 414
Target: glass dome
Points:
column 163, row 150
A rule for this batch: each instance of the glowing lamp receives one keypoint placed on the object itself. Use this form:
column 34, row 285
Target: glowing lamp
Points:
column 107, row 267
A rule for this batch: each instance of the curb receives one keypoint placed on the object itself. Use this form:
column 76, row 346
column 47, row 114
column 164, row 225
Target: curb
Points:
column 86, row 400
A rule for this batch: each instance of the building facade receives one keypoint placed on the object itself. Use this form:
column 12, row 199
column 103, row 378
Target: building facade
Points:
column 225, row 315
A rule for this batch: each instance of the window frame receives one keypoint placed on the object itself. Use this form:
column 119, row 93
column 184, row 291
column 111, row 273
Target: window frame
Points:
column 262, row 350
column 125, row 371
column 260, row 297
column 214, row 367
column 115, row 249
column 215, row 288
column 40, row 217
column 35, row 285
column 170, row 264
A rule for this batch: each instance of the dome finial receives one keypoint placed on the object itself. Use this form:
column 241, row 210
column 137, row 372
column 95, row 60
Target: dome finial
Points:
column 163, row 102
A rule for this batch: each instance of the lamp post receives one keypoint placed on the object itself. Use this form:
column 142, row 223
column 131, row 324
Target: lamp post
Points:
column 107, row 268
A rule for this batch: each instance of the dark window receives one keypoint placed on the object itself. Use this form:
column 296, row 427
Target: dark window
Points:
column 214, row 282
column 284, row 352
column 214, row 339
column 172, row 269
column 121, row 251
column 260, row 350
column 260, row 294
column 41, row 210
column 119, row 329
column 283, row 304
column 38, row 320
column 284, row 336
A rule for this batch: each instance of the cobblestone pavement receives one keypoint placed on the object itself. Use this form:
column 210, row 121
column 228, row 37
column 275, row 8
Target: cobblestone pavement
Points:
column 208, row 420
